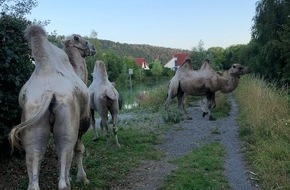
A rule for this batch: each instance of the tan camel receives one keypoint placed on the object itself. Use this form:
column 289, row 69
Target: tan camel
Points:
column 104, row 99
column 53, row 100
column 203, row 82
column 77, row 48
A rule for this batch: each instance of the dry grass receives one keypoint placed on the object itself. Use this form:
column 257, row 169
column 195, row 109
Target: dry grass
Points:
column 265, row 127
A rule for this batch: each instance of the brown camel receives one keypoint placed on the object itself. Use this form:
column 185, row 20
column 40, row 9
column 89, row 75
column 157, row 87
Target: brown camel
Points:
column 77, row 48
column 203, row 82
column 53, row 99
column 104, row 99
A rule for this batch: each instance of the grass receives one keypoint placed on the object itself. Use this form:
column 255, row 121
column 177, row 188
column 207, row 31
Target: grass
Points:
column 265, row 127
column 108, row 166
column 222, row 108
column 199, row 170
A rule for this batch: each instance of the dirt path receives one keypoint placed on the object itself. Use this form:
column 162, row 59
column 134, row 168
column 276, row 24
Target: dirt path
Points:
column 181, row 139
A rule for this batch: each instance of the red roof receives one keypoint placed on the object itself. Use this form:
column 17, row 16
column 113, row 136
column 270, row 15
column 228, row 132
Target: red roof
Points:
column 180, row 58
column 140, row 62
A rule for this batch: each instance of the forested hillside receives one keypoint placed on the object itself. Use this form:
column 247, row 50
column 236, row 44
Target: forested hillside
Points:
column 150, row 53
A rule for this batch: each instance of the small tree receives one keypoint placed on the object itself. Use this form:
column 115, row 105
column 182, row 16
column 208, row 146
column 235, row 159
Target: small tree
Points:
column 157, row 69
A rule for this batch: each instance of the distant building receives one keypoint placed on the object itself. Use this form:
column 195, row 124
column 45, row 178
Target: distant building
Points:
column 176, row 61
column 141, row 63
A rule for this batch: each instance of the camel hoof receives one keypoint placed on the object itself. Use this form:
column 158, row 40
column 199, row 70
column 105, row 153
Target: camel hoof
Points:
column 211, row 118
column 86, row 181
column 204, row 114
column 188, row 118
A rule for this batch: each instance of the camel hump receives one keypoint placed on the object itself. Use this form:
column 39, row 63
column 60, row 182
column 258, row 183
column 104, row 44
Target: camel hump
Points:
column 186, row 64
column 205, row 64
column 34, row 31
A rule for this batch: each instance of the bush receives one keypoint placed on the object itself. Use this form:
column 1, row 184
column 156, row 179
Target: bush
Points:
column 16, row 68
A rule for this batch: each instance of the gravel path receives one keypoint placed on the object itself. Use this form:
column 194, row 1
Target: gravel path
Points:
column 183, row 138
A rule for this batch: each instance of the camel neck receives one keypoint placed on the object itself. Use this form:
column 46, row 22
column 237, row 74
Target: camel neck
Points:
column 229, row 84
column 78, row 62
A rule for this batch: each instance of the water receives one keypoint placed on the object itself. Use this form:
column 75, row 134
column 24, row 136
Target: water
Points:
column 129, row 100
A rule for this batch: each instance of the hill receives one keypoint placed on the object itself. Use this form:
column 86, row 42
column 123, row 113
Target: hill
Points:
column 150, row 53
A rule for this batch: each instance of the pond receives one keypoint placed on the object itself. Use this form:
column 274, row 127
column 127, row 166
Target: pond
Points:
column 129, row 100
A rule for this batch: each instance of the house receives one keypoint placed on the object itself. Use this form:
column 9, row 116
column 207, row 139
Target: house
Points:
column 141, row 63
column 176, row 61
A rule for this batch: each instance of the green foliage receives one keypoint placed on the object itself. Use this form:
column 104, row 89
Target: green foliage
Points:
column 271, row 34
column 16, row 67
column 215, row 55
column 17, row 8
column 200, row 169
column 157, row 69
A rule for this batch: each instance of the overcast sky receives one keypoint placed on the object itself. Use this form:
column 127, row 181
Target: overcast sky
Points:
column 167, row 23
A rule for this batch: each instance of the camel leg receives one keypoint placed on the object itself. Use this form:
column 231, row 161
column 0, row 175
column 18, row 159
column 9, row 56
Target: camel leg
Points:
column 105, row 124
column 211, row 104
column 79, row 151
column 181, row 106
column 35, row 143
column 115, row 128
column 96, row 136
column 168, row 101
column 65, row 131
column 184, row 104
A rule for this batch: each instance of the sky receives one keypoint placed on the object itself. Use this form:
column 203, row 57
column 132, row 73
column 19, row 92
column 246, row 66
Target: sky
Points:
column 178, row 24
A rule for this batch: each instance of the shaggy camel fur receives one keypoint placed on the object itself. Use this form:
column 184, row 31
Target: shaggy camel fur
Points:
column 77, row 48
column 203, row 82
column 53, row 100
column 104, row 99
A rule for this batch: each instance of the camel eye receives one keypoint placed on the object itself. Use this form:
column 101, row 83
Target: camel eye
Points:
column 234, row 66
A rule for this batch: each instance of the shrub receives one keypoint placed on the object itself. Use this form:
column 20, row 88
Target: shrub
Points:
column 16, row 68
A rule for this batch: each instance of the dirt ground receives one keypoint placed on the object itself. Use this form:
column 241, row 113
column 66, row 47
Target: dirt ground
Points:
column 191, row 134
column 178, row 141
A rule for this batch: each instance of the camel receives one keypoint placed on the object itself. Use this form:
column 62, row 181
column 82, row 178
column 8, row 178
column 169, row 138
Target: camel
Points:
column 203, row 82
column 54, row 99
column 77, row 48
column 104, row 98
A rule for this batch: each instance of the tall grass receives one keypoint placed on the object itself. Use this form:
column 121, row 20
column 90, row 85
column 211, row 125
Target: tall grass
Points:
column 265, row 127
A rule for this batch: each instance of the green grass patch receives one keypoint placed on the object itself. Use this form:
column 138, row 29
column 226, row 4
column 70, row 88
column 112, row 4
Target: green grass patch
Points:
column 106, row 166
column 201, row 169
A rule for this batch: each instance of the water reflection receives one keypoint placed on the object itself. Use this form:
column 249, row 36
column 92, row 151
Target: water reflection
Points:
column 130, row 106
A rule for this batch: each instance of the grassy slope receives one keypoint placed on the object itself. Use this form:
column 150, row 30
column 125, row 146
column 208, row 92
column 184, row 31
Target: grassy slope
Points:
column 265, row 127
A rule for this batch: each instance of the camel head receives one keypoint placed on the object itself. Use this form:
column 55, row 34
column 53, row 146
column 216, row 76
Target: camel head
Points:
column 84, row 46
column 238, row 70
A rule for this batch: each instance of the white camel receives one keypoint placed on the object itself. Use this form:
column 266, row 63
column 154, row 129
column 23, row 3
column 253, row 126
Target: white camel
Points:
column 77, row 48
column 53, row 99
column 104, row 98
column 203, row 82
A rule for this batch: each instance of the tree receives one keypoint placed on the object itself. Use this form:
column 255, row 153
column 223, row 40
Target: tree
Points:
column 157, row 69
column 17, row 8
column 270, row 33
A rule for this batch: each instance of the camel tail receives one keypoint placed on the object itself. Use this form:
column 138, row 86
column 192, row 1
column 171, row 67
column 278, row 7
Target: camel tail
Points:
column 14, row 138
